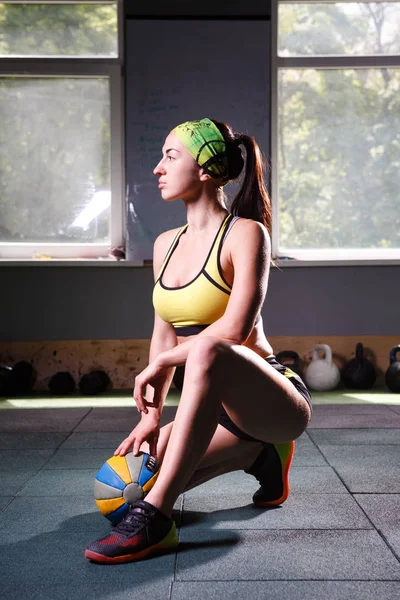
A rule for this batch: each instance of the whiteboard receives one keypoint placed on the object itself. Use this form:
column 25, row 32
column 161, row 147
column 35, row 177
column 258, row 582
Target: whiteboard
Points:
column 180, row 70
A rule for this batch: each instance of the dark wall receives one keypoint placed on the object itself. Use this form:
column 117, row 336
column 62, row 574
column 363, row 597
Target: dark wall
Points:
column 113, row 302
column 61, row 303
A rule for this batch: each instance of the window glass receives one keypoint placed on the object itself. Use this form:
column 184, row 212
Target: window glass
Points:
column 339, row 158
column 54, row 159
column 82, row 30
column 353, row 28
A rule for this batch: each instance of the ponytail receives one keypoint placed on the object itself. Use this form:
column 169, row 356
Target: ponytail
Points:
column 252, row 201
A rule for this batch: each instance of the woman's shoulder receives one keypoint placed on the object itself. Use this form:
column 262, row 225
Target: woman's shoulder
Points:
column 165, row 239
column 167, row 236
column 248, row 227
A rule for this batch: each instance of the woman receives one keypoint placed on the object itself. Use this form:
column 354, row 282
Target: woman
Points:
column 239, row 408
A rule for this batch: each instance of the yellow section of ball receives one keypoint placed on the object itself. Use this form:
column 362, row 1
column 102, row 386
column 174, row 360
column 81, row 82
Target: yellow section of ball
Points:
column 108, row 506
column 118, row 464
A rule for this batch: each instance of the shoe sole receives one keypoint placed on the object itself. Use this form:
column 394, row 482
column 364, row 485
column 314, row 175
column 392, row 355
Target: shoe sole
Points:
column 280, row 448
column 170, row 541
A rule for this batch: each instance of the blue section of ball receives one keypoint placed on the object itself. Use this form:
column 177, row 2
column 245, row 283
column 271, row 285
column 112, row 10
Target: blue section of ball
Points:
column 117, row 516
column 108, row 475
column 144, row 474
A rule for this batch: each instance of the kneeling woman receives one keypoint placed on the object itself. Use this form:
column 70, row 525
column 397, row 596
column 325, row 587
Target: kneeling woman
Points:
column 239, row 408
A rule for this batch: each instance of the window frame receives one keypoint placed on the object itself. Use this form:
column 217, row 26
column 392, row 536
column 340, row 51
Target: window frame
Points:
column 317, row 257
column 30, row 67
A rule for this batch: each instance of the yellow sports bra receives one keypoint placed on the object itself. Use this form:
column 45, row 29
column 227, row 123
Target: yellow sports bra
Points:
column 197, row 304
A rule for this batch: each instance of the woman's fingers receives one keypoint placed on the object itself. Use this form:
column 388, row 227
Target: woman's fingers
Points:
column 138, row 398
column 136, row 446
column 153, row 447
column 124, row 446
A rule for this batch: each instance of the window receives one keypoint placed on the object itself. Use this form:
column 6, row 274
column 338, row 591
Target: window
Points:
column 336, row 130
column 61, row 177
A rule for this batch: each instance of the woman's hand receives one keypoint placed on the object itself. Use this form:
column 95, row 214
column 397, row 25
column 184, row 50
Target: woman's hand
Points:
column 154, row 375
column 148, row 430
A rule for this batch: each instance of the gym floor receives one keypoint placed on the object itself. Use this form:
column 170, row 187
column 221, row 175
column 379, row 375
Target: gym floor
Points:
column 336, row 537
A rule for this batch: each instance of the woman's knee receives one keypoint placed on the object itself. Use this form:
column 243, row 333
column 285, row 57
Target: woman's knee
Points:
column 205, row 354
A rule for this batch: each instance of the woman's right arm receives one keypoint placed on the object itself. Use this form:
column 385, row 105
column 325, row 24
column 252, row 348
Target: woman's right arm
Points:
column 163, row 338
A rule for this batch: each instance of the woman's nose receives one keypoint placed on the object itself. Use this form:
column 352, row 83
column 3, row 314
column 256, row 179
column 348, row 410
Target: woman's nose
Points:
column 159, row 169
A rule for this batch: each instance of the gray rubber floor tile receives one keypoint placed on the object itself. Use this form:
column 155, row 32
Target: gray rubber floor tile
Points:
column 13, row 460
column 354, row 421
column 20, row 441
column 96, row 439
column 366, row 468
column 123, row 589
column 13, row 481
column 384, row 511
column 286, row 590
column 395, row 408
column 352, row 409
column 79, row 458
column 57, row 558
column 117, row 419
column 382, row 456
column 355, row 436
column 73, row 482
column 67, row 515
column 307, row 455
column 5, row 501
column 300, row 511
column 44, row 515
column 371, row 480
column 285, row 554
column 316, row 480
column 227, row 484
column 41, row 420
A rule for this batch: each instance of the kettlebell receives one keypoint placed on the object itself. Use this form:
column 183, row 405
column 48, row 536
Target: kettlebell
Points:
column 392, row 377
column 289, row 358
column 322, row 374
column 359, row 373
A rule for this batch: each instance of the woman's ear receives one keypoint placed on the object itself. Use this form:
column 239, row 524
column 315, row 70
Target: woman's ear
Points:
column 203, row 176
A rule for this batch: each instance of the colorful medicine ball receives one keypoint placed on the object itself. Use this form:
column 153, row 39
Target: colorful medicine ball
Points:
column 121, row 481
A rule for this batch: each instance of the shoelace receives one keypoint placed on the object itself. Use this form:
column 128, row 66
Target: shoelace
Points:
column 135, row 519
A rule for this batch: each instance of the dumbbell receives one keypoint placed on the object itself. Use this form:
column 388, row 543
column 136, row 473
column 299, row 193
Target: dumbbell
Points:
column 62, row 383
column 95, row 382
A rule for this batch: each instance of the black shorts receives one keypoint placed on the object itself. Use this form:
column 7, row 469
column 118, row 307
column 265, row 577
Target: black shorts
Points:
column 298, row 383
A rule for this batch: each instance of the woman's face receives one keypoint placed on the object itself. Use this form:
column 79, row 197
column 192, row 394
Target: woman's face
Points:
column 179, row 174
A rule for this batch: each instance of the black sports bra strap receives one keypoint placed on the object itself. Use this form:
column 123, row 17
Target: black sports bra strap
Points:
column 170, row 251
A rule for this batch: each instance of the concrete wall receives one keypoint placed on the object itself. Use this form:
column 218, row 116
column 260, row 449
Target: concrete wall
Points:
column 111, row 302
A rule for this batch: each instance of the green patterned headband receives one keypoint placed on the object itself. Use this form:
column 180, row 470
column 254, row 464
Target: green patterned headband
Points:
column 207, row 146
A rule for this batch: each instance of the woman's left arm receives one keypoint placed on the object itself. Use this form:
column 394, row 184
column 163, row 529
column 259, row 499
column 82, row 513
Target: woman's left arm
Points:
column 251, row 262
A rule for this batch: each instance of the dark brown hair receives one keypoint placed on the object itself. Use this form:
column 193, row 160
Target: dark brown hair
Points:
column 252, row 201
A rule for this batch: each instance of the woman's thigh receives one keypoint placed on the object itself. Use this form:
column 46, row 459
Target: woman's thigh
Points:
column 259, row 400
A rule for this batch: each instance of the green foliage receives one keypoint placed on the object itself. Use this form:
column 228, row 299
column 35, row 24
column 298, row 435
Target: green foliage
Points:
column 53, row 30
column 339, row 140
column 55, row 132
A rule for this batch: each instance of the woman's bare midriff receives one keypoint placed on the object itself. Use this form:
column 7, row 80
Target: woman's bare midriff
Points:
column 256, row 340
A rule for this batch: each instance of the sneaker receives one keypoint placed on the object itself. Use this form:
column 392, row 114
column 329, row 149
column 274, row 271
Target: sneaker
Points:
column 144, row 531
column 271, row 468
